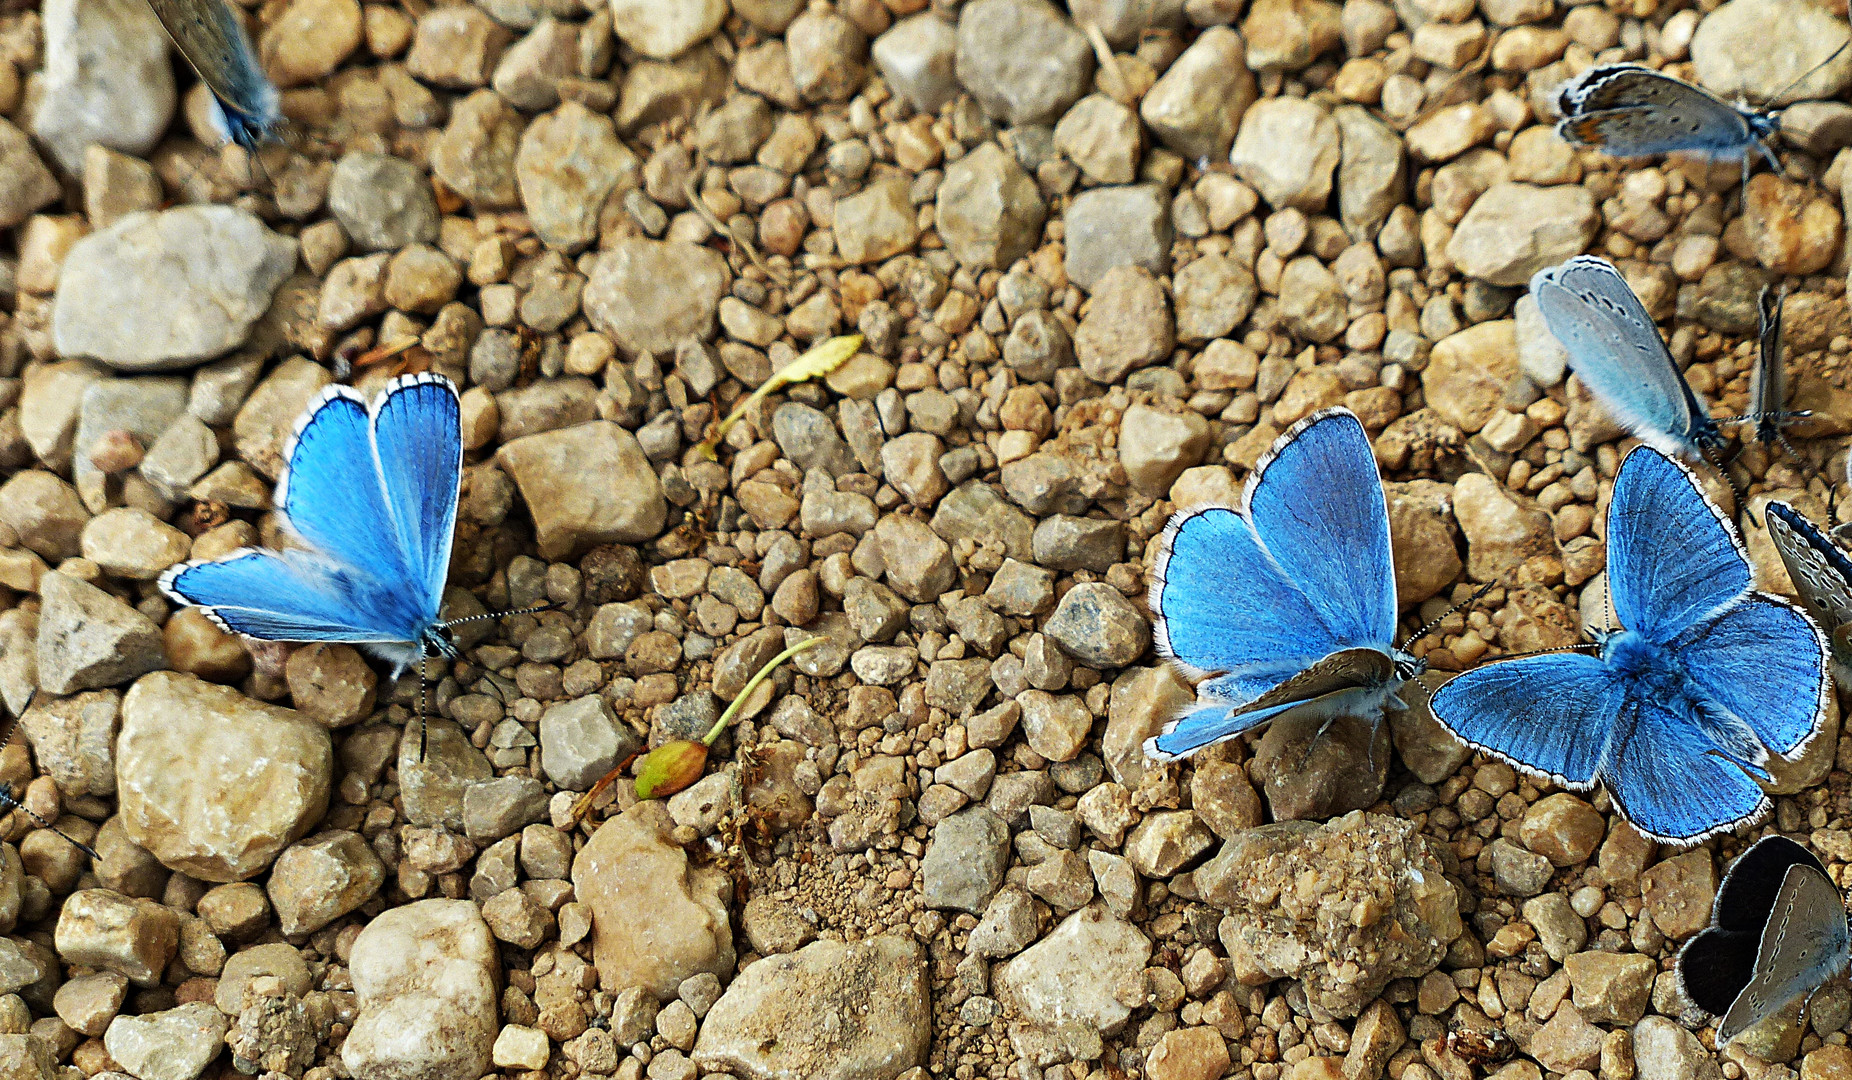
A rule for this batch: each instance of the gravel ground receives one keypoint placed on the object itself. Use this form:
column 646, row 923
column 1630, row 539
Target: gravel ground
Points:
column 1099, row 259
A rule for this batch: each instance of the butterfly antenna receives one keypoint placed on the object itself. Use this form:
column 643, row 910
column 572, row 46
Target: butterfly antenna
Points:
column 1810, row 72
column 548, row 606
column 9, row 800
column 1435, row 622
column 7, row 797
column 423, row 682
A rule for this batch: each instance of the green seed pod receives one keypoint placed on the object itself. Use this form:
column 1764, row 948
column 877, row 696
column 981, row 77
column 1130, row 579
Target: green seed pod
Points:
column 671, row 767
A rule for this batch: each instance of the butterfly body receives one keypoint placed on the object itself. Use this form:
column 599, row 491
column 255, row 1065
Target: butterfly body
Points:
column 1286, row 603
column 1632, row 111
column 1679, row 713
column 246, row 105
column 1615, row 349
column 371, row 491
column 1778, row 932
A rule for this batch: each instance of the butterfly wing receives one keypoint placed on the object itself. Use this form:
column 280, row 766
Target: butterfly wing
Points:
column 1226, row 590
column 1616, row 350
column 292, row 596
column 1216, row 721
column 1679, row 775
column 1766, row 662
column 1549, row 716
column 1715, row 966
column 1317, row 504
column 1819, row 568
column 418, row 447
column 212, row 38
column 331, row 493
column 1673, row 559
column 1803, row 945
column 1631, row 111
column 1753, row 882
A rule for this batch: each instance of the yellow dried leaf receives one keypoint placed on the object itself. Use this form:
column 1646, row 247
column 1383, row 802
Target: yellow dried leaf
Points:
column 819, row 361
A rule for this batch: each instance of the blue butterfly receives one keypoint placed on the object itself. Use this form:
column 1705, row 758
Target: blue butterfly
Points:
column 1616, row 350
column 1289, row 602
column 373, row 493
column 1678, row 713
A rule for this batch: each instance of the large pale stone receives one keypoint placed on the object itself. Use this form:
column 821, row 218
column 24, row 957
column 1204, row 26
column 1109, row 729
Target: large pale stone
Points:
column 829, row 1011
column 585, row 486
column 107, row 79
column 168, row 289
column 1069, row 976
column 215, row 784
column 569, row 162
column 648, row 295
column 1515, row 230
column 656, row 920
column 425, row 975
column 175, row 1044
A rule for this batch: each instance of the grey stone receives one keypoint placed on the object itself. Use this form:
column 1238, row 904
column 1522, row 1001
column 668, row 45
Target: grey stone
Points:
column 107, row 79
column 382, row 202
column 916, row 57
column 1116, row 226
column 168, row 289
column 965, row 860
column 1022, row 60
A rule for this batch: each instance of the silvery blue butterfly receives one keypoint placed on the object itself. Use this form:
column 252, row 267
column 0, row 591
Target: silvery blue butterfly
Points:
column 1778, row 932
column 373, row 492
column 246, row 106
column 1288, row 602
column 1678, row 712
column 1616, row 350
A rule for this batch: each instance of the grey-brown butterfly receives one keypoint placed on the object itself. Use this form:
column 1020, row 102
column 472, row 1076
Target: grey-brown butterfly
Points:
column 247, row 108
column 1778, row 932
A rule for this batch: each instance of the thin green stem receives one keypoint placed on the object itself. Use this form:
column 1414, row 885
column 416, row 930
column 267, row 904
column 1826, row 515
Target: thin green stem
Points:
column 739, row 699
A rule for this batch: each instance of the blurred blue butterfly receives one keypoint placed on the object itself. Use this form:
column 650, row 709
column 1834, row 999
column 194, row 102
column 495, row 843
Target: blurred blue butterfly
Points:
column 1678, row 713
column 373, row 493
column 1289, row 602
column 1616, row 350
column 246, row 107
column 1778, row 932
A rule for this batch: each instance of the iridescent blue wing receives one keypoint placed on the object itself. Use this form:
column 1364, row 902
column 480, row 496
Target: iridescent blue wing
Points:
column 212, row 38
column 1673, row 559
column 1615, row 349
column 292, row 596
column 1222, row 606
column 1549, row 716
column 331, row 494
column 1317, row 503
column 418, row 443
column 1680, row 775
column 1766, row 662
